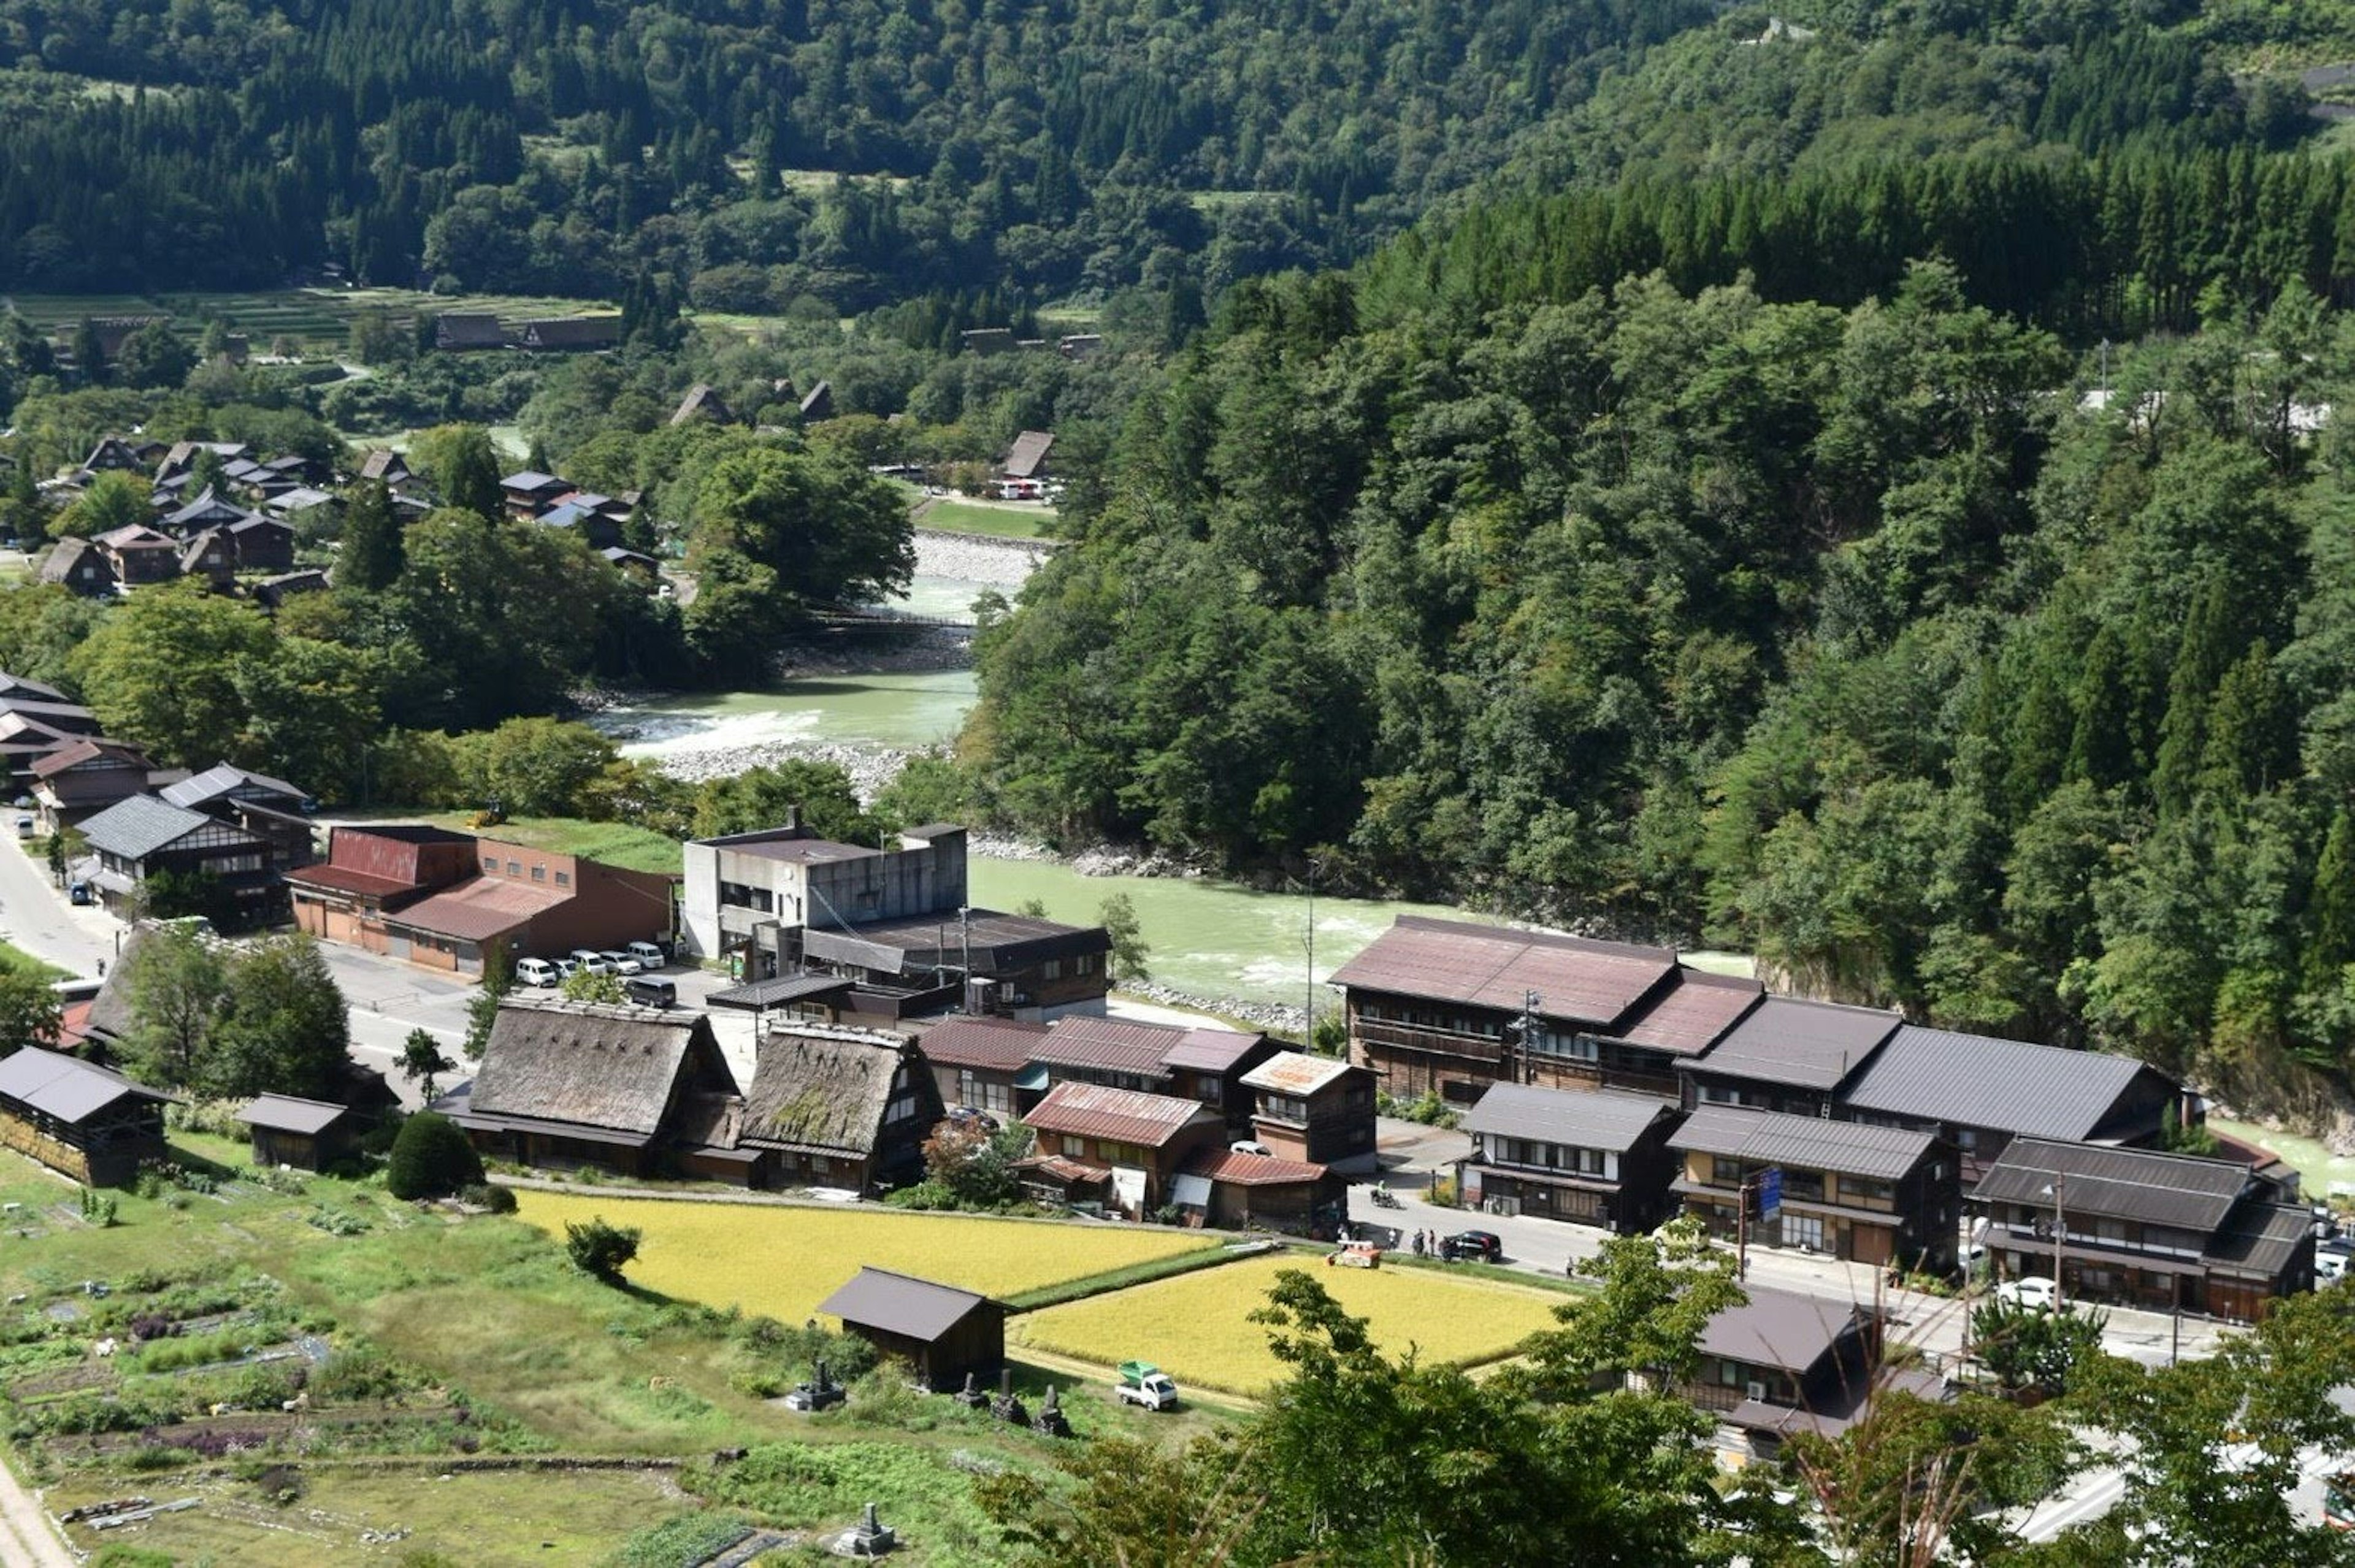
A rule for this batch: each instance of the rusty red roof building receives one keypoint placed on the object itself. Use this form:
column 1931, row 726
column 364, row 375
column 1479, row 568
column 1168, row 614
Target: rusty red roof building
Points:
column 1120, row 1115
column 1576, row 978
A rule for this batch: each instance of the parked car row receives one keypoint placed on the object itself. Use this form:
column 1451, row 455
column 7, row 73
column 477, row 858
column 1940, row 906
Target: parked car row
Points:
column 638, row 958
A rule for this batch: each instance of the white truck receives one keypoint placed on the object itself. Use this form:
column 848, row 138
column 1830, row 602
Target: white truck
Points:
column 1142, row 1383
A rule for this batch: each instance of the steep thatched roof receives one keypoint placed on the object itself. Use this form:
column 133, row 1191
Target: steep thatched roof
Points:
column 825, row 1091
column 609, row 1068
column 111, row 1018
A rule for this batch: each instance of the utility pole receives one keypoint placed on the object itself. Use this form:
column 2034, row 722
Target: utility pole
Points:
column 1309, row 1029
column 965, row 940
column 1531, row 1004
column 2060, row 1232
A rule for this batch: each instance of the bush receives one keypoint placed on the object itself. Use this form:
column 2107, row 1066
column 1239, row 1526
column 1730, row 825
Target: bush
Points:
column 431, row 1158
column 490, row 1195
column 601, row 1249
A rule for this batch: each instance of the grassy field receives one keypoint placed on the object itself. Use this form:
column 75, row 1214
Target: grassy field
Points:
column 493, row 1517
column 784, row 1261
column 971, row 517
column 318, row 320
column 1198, row 1325
column 17, row 961
column 615, row 843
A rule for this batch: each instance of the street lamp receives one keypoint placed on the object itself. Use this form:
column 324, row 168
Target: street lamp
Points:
column 2060, row 1231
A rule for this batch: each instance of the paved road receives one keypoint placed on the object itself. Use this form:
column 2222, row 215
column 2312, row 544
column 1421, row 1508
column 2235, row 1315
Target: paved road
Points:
column 27, row 1537
column 34, row 915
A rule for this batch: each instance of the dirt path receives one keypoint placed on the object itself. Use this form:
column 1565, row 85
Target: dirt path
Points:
column 27, row 1539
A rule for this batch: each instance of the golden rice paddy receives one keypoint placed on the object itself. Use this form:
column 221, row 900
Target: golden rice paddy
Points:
column 784, row 1261
column 1197, row 1327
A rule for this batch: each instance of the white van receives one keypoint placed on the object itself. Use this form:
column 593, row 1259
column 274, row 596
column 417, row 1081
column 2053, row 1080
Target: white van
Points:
column 647, row 954
column 536, row 971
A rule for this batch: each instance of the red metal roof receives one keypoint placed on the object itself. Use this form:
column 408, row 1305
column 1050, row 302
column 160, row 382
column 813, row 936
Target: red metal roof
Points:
column 344, row 880
column 1693, row 1012
column 1576, row 979
column 1117, row 1045
column 992, row 1045
column 1121, row 1115
column 481, row 908
column 1240, row 1169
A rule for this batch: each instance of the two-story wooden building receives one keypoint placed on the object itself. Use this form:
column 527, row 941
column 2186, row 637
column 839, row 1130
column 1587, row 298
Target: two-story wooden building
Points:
column 137, row 839
column 1863, row 1194
column 1787, row 1054
column 1207, row 1064
column 1316, row 1109
column 1122, row 1148
column 1597, row 1158
column 2137, row 1227
column 1446, row 1006
column 985, row 1063
column 1781, row 1363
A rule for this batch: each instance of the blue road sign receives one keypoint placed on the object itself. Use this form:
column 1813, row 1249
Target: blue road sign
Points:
column 1770, row 1194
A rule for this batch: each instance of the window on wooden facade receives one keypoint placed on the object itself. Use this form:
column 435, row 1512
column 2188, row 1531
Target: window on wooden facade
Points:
column 1075, row 1148
column 1803, row 1230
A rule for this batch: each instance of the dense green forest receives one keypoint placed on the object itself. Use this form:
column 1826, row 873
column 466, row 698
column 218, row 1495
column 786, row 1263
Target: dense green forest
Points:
column 1935, row 574
column 761, row 152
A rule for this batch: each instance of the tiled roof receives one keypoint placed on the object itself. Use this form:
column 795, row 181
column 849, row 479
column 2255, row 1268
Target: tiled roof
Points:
column 1808, row 1143
column 1807, row 1045
column 1120, row 1115
column 2261, row 1238
column 1601, row 1119
column 220, row 779
column 1575, row 979
column 1978, row 1080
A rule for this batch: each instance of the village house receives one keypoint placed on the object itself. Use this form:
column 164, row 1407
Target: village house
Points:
column 2142, row 1228
column 211, row 556
column 78, row 566
column 24, row 743
column 1781, row 1364
column 139, row 555
column 1027, row 458
column 984, row 1063
column 1448, row 1008
column 78, row 780
column 1317, row 1110
column 572, row 1084
column 207, row 512
column 818, row 405
column 593, row 527
column 1207, row 1064
column 645, row 568
column 271, row 593
column 1977, row 1093
column 143, row 837
column 1880, row 1195
column 529, row 493
column 987, row 340
column 703, row 402
column 1114, row 1147
column 569, row 333
column 386, row 467
column 1596, row 1157
column 839, row 1108
column 79, row 1119
column 114, row 455
column 272, row 808
column 1236, row 1190
column 947, row 1335
column 456, row 331
column 262, row 544
column 1788, row 1055
column 308, row 1135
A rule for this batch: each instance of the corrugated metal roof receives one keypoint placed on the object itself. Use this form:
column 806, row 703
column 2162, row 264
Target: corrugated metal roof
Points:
column 990, row 1045
column 221, row 779
column 1808, row 1143
column 285, row 1113
column 1121, row 1115
column 1211, row 1050
column 2180, row 1191
column 65, row 1087
column 1576, row 980
column 478, row 909
column 1240, row 1169
column 776, row 992
column 1114, row 1045
column 1693, row 1012
column 1979, row 1080
column 900, row 1304
column 1807, row 1045
column 1602, row 1119
column 1295, row 1072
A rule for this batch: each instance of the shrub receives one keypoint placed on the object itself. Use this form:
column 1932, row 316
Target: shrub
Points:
column 601, row 1249
column 431, row 1158
column 490, row 1195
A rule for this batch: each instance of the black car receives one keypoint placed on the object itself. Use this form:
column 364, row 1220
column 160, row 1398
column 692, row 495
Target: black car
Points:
column 1483, row 1246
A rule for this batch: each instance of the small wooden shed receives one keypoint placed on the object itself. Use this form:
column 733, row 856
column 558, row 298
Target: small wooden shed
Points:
column 942, row 1332
column 309, row 1134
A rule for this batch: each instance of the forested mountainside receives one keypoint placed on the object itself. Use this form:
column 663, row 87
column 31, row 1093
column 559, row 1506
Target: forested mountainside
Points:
column 758, row 152
column 1935, row 575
